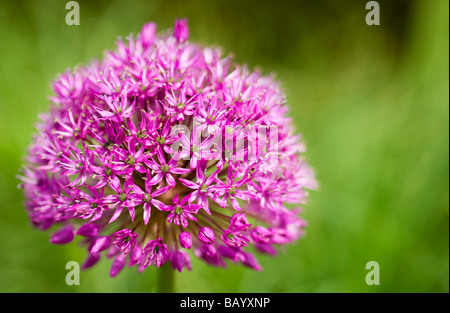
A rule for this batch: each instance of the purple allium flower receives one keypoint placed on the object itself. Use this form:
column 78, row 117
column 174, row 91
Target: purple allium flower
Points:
column 198, row 150
column 125, row 240
column 181, row 211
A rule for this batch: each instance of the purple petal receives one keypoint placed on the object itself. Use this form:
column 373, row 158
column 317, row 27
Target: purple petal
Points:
column 117, row 265
column 179, row 260
column 193, row 161
column 88, row 230
column 160, row 191
column 235, row 254
column 261, row 235
column 160, row 155
column 188, row 183
column 147, row 35
column 147, row 212
column 64, row 235
column 175, row 200
column 152, row 165
column 183, row 220
column 114, row 183
column 170, row 180
column 135, row 256
column 266, row 248
column 135, row 188
column 90, row 261
column 180, row 170
column 99, row 244
column 158, row 204
column 185, row 240
column 156, row 179
column 239, row 220
column 132, row 213
column 204, row 203
column 250, row 261
column 116, row 213
column 200, row 171
column 181, row 31
column 97, row 215
column 235, row 204
column 206, row 235
column 170, row 218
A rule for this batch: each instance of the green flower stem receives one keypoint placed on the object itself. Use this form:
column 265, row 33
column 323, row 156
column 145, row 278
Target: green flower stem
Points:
column 166, row 279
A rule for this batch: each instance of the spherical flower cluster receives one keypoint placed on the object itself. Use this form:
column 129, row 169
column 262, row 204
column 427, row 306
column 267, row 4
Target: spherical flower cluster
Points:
column 164, row 147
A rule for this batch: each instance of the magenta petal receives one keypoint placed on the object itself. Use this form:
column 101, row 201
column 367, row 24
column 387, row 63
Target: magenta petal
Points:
column 114, row 183
column 97, row 215
column 64, row 235
column 175, row 199
column 170, row 218
column 266, row 248
column 206, row 235
column 181, row 31
column 90, row 261
column 203, row 202
column 261, row 234
column 136, row 189
column 230, row 252
column 147, row 212
column 170, row 180
column 100, row 183
column 183, row 220
column 179, row 170
column 156, row 179
column 135, row 256
column 160, row 155
column 188, row 183
column 158, row 204
column 116, row 213
column 239, row 220
column 132, row 213
column 88, row 230
column 185, row 240
column 235, row 204
column 117, row 265
column 193, row 162
column 152, row 165
column 113, row 251
column 147, row 35
column 160, row 191
column 99, row 244
column 178, row 261
column 250, row 261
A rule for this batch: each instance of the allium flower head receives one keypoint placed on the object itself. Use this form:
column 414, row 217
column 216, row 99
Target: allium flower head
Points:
column 164, row 147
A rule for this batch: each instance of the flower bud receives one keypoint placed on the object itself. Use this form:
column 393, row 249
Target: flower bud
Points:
column 100, row 244
column 88, row 230
column 64, row 235
column 185, row 240
column 206, row 235
column 90, row 261
column 261, row 234
column 147, row 35
column 117, row 265
column 181, row 31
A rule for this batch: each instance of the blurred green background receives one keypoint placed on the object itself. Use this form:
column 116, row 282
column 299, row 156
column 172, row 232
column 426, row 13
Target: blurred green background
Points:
column 372, row 103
